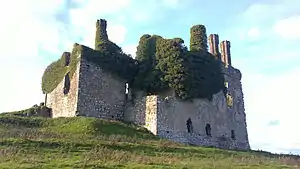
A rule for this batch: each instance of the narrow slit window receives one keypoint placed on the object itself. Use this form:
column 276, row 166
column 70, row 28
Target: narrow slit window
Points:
column 67, row 84
column 233, row 134
column 208, row 129
column 189, row 125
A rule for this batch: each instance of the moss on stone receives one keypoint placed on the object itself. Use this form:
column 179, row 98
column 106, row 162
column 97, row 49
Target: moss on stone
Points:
column 57, row 70
column 198, row 40
column 112, row 61
column 229, row 100
column 160, row 64
column 115, row 62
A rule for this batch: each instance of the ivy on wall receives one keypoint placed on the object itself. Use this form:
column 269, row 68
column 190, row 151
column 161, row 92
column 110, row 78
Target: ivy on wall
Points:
column 166, row 63
column 159, row 64
column 198, row 39
column 57, row 70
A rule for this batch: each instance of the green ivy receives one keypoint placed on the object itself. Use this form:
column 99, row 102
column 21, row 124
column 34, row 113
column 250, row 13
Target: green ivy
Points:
column 160, row 64
column 170, row 56
column 148, row 76
column 198, row 39
column 117, row 63
column 166, row 63
column 204, row 75
column 57, row 70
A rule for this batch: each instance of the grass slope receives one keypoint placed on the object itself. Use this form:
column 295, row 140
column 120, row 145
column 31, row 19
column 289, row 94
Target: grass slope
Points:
column 80, row 142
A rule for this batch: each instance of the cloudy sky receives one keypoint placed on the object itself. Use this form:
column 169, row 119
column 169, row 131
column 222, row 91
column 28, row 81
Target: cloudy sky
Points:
column 263, row 34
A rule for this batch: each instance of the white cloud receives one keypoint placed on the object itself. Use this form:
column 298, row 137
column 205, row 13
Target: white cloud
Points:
column 28, row 34
column 84, row 20
column 273, row 98
column 253, row 33
column 41, row 30
column 264, row 13
column 130, row 49
column 171, row 3
column 269, row 72
column 288, row 28
column 23, row 34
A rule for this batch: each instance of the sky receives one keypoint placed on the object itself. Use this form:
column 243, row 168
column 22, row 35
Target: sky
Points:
column 264, row 36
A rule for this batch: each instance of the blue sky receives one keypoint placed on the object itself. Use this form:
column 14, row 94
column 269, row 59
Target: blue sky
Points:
column 264, row 36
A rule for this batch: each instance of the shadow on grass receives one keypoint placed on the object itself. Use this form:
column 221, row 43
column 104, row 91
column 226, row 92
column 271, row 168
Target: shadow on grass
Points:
column 133, row 148
column 119, row 128
column 15, row 121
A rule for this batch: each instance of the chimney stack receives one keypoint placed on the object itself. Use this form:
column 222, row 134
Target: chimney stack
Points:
column 225, row 52
column 213, row 41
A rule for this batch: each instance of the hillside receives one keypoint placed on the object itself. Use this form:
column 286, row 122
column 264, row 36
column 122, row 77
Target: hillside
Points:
column 80, row 142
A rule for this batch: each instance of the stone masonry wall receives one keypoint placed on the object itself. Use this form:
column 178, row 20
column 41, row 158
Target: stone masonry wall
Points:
column 101, row 94
column 170, row 119
column 142, row 111
column 135, row 109
column 236, row 111
column 173, row 114
column 64, row 105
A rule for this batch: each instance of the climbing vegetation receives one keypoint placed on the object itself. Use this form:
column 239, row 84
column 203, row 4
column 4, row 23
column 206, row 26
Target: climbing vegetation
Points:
column 198, row 39
column 109, row 59
column 160, row 64
column 167, row 63
column 57, row 70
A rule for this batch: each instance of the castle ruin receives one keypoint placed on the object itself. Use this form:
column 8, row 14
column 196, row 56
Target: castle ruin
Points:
column 93, row 92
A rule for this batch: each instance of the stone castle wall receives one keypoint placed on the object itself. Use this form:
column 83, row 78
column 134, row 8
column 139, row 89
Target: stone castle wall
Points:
column 101, row 94
column 142, row 111
column 64, row 105
column 167, row 117
column 237, row 110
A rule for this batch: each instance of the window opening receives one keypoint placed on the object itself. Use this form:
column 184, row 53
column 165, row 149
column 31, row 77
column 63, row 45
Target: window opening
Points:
column 67, row 84
column 208, row 129
column 189, row 125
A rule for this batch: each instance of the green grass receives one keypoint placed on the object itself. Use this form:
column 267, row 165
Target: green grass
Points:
column 80, row 142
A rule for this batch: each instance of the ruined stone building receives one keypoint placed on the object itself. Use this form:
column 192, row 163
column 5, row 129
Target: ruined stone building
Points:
column 93, row 92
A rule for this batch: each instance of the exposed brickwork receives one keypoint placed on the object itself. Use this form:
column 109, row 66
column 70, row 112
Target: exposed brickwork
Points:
column 213, row 41
column 225, row 52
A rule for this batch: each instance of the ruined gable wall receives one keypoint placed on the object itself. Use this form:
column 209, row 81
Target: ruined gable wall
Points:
column 101, row 94
column 64, row 105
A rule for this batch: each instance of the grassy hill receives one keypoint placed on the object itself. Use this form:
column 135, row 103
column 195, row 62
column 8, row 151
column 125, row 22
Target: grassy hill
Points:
column 79, row 142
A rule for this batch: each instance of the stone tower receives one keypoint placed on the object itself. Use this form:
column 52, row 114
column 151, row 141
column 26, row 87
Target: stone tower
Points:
column 101, row 26
column 213, row 41
column 101, row 32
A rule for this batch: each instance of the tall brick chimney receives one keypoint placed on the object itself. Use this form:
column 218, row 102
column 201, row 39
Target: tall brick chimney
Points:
column 225, row 52
column 213, row 41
